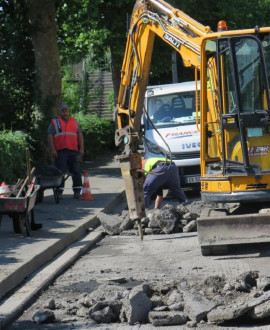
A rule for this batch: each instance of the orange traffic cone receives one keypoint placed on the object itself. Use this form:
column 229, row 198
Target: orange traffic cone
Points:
column 4, row 188
column 86, row 192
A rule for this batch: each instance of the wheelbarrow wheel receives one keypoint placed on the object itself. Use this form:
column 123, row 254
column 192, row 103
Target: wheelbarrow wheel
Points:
column 27, row 224
column 56, row 196
column 40, row 196
column 18, row 223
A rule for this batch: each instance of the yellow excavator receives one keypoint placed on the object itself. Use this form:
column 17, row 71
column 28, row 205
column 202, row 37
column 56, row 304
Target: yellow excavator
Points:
column 232, row 114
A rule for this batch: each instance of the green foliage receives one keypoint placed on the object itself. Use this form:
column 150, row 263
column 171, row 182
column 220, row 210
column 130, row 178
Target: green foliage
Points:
column 12, row 155
column 111, row 101
column 244, row 14
column 98, row 135
column 102, row 61
column 75, row 92
column 78, row 33
column 16, row 66
column 71, row 90
column 95, row 30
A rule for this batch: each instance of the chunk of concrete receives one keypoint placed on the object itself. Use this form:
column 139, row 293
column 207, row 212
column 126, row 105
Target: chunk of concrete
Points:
column 137, row 307
column 104, row 315
column 191, row 226
column 167, row 219
column 263, row 283
column 224, row 313
column 43, row 316
column 196, row 305
column 167, row 318
column 114, row 225
column 261, row 311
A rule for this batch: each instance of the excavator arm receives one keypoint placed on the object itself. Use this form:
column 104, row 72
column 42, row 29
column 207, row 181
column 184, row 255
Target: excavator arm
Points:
column 234, row 117
column 150, row 18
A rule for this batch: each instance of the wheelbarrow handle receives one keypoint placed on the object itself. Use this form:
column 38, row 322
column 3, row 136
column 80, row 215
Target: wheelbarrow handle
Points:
column 25, row 182
column 31, row 187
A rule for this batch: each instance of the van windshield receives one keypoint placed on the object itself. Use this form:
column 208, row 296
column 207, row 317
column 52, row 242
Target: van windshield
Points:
column 172, row 109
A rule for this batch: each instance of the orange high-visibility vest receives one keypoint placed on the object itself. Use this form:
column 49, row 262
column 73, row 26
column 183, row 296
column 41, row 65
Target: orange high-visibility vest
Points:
column 66, row 134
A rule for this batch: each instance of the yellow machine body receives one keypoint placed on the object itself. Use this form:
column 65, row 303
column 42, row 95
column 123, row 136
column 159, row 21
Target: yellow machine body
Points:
column 232, row 114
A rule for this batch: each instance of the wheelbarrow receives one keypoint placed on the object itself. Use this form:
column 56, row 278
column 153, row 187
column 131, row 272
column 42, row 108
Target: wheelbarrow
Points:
column 48, row 177
column 20, row 209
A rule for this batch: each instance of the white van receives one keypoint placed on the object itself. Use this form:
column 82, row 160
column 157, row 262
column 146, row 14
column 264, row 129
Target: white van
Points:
column 171, row 124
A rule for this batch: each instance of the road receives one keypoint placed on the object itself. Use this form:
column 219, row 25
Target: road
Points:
column 173, row 258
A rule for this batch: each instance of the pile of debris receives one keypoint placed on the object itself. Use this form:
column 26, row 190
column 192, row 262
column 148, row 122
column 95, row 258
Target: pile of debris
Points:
column 214, row 301
column 169, row 219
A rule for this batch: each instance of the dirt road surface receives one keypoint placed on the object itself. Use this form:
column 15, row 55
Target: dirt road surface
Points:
column 128, row 260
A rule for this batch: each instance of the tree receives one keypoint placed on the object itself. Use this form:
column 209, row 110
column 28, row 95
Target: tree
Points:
column 84, row 27
column 16, row 67
column 96, row 27
column 43, row 31
column 29, row 57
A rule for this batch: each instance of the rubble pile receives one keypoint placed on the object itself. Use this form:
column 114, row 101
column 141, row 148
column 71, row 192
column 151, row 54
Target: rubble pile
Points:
column 169, row 219
column 211, row 302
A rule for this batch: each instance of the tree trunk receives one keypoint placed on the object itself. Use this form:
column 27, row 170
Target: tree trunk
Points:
column 116, row 71
column 41, row 14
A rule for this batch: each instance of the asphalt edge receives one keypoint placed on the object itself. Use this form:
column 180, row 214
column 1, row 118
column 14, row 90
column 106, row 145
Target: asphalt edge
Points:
column 14, row 306
column 18, row 276
column 21, row 274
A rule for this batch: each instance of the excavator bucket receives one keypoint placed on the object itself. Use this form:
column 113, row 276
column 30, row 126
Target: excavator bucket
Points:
column 216, row 233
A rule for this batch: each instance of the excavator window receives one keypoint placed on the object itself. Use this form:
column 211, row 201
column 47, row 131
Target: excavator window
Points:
column 241, row 69
column 250, row 75
column 243, row 77
column 230, row 103
column 266, row 50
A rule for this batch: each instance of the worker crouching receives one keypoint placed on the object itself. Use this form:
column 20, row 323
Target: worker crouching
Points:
column 161, row 174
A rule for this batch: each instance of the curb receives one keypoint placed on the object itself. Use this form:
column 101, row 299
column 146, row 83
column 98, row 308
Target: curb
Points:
column 20, row 274
column 14, row 306
column 116, row 201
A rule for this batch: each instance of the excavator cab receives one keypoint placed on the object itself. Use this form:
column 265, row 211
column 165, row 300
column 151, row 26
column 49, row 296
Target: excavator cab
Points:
column 237, row 168
column 235, row 136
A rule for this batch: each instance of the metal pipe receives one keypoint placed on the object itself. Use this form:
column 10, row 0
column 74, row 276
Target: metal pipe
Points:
column 162, row 6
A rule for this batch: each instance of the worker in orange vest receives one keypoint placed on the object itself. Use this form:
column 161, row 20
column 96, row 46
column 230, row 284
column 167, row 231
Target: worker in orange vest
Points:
column 66, row 145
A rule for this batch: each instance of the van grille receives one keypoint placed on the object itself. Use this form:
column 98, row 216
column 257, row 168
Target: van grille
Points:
column 185, row 155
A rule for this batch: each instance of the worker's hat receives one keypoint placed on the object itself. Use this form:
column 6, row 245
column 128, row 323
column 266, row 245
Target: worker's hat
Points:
column 63, row 106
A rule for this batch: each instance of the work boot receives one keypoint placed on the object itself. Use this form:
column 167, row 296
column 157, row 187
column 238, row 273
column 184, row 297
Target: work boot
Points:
column 36, row 226
column 77, row 194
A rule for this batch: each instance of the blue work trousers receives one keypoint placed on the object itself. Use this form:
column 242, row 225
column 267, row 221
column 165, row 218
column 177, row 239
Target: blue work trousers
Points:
column 68, row 160
column 168, row 177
